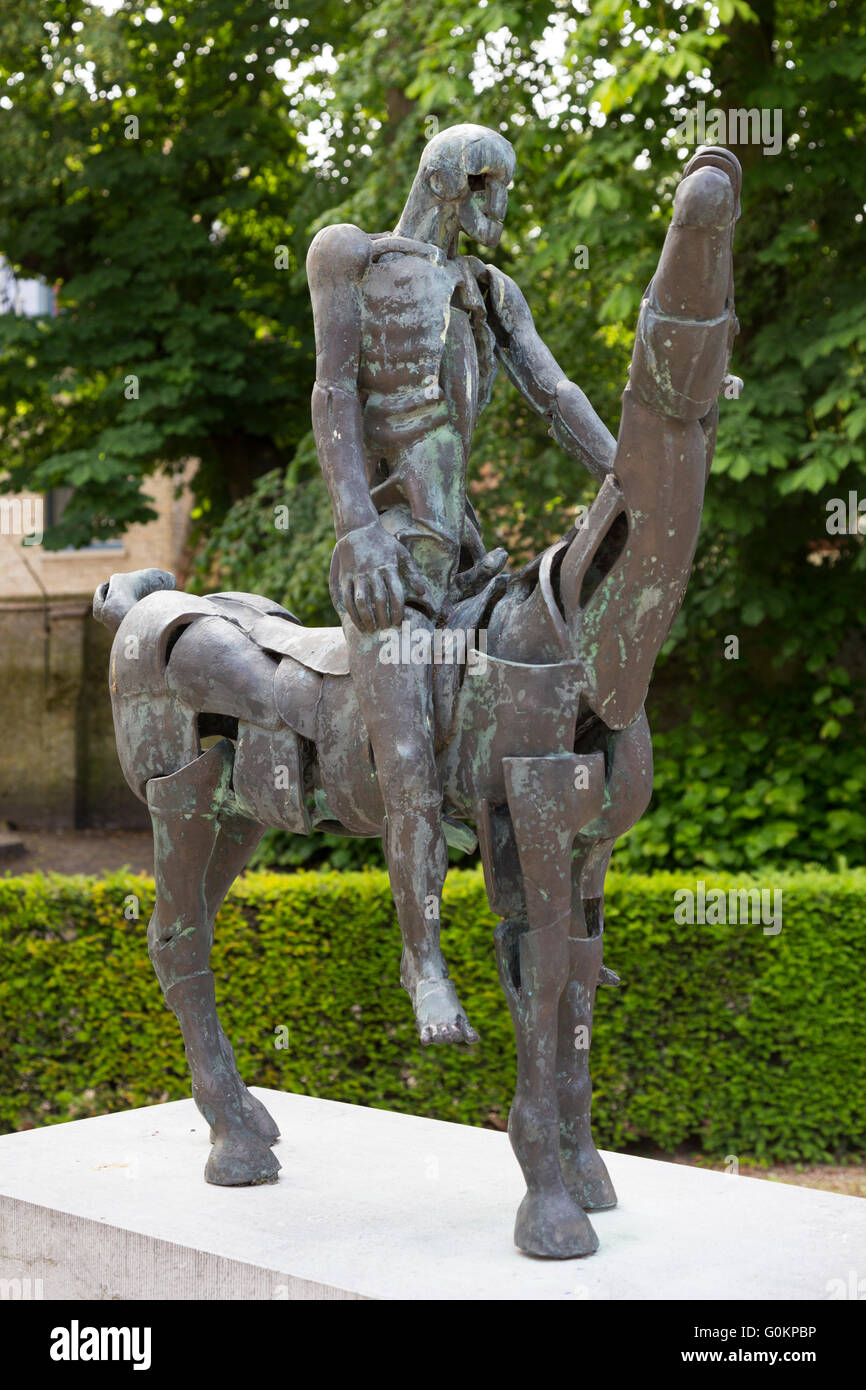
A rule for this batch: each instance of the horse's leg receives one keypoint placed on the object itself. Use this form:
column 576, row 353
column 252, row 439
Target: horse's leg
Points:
column 583, row 1168
column 214, row 666
column 185, row 810
column 237, row 837
column 547, row 807
column 628, row 787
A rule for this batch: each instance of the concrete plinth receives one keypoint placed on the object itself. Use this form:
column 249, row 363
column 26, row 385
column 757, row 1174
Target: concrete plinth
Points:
column 375, row 1205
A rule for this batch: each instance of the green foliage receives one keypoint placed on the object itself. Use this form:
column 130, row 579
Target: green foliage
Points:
column 163, row 252
column 152, row 172
column 762, row 770
column 277, row 541
column 742, row 1042
column 750, row 793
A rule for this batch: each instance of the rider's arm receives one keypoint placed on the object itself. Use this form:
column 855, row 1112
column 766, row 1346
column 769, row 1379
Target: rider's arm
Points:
column 370, row 569
column 337, row 262
column 539, row 378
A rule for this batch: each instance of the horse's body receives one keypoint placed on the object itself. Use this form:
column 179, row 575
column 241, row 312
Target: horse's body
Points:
column 543, row 745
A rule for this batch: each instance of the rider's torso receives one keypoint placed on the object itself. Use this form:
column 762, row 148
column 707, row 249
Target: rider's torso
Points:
column 418, row 384
column 418, row 364
column 405, row 316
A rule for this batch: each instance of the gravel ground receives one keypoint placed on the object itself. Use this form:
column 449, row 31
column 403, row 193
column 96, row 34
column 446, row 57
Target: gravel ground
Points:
column 81, row 852
column 849, row 1179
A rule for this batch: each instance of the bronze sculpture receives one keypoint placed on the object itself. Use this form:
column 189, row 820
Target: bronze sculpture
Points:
column 543, row 746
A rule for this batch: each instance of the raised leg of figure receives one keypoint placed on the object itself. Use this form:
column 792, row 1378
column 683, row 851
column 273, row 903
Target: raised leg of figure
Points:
column 396, row 701
column 548, row 804
column 185, row 809
column 620, row 613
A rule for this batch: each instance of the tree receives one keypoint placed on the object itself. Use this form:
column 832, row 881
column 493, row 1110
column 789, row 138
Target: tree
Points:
column 154, row 174
column 596, row 99
column 767, row 768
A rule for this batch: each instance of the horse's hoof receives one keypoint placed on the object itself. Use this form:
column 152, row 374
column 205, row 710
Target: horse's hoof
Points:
column 258, row 1118
column 241, row 1160
column 588, row 1181
column 553, row 1226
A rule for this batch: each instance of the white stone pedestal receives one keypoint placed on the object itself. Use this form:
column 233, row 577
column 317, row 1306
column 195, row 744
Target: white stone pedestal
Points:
column 375, row 1205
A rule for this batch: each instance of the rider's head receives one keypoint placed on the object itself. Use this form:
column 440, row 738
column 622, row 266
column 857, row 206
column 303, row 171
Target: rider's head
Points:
column 464, row 173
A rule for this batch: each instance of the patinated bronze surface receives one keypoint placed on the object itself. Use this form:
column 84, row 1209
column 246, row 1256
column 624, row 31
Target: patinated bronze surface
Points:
column 456, row 693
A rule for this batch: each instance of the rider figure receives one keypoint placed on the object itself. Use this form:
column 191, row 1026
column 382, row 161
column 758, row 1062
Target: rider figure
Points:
column 407, row 332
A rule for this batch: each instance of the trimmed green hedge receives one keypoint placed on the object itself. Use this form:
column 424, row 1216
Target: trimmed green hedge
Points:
column 745, row 1043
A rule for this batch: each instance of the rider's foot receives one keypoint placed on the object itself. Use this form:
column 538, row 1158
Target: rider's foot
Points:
column 439, row 1013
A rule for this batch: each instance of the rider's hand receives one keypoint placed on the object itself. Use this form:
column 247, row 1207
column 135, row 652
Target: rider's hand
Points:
column 373, row 573
column 472, row 581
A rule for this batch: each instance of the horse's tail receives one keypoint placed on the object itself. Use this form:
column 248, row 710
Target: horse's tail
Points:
column 113, row 599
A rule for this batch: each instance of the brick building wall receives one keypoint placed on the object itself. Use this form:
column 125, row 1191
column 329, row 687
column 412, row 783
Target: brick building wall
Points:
column 58, row 765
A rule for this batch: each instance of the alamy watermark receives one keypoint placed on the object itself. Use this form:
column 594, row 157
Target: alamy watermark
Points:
column 846, row 517
column 23, row 517
column 739, row 126
column 444, row 646
column 853, row 1287
column 18, row 1290
column 736, row 907
column 77, row 1343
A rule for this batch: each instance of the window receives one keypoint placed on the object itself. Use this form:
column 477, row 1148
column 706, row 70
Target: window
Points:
column 55, row 504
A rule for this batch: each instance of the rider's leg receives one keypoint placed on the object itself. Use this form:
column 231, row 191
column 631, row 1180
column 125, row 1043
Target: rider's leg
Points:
column 396, row 702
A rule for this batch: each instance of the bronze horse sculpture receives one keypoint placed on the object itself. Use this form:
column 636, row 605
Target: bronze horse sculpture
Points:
column 539, row 735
